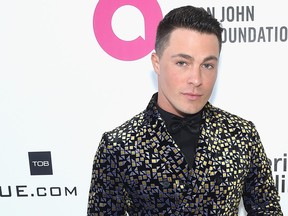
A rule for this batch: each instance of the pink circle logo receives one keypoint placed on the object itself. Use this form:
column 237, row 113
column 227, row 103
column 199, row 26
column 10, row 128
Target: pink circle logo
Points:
column 113, row 45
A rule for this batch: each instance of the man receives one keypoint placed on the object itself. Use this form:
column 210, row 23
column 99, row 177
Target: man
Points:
column 181, row 155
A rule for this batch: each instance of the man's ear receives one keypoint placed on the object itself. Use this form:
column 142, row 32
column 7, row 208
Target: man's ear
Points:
column 155, row 62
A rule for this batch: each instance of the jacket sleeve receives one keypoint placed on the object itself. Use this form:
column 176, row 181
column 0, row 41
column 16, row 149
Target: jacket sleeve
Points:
column 260, row 195
column 106, row 195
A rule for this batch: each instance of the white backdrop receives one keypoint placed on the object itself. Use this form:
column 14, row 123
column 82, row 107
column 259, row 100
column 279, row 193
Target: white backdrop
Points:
column 62, row 85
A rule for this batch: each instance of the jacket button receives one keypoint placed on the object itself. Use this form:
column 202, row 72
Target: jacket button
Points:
column 165, row 184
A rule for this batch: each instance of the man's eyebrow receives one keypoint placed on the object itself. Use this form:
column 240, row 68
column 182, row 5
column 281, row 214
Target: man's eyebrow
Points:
column 210, row 58
column 186, row 56
column 182, row 55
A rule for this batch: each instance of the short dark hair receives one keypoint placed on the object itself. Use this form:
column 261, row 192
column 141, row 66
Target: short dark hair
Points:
column 188, row 17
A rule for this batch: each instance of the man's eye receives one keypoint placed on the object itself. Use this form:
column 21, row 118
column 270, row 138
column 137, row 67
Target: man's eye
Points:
column 208, row 66
column 181, row 63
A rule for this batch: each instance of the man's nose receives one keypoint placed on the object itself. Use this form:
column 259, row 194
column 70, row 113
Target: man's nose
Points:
column 194, row 77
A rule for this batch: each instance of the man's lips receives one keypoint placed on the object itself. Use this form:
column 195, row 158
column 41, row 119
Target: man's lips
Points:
column 192, row 96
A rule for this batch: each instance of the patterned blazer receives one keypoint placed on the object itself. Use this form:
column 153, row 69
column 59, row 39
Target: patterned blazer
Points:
column 140, row 170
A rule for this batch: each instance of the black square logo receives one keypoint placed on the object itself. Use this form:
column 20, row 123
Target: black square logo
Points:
column 40, row 163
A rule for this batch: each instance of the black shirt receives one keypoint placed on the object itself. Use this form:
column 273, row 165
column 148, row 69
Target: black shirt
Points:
column 185, row 131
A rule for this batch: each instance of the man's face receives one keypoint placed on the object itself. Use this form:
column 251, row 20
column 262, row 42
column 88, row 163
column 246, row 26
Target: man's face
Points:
column 186, row 71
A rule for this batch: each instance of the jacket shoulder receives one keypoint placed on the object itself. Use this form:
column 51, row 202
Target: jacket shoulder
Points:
column 220, row 115
column 128, row 131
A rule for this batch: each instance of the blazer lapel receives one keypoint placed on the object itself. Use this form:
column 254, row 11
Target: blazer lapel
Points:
column 203, row 163
column 167, row 157
column 169, row 154
column 209, row 148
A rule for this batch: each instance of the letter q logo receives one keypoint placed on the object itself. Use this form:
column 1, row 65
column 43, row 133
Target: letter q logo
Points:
column 131, row 49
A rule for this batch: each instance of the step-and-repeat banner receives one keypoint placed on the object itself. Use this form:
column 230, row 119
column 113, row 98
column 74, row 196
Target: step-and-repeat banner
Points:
column 71, row 70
